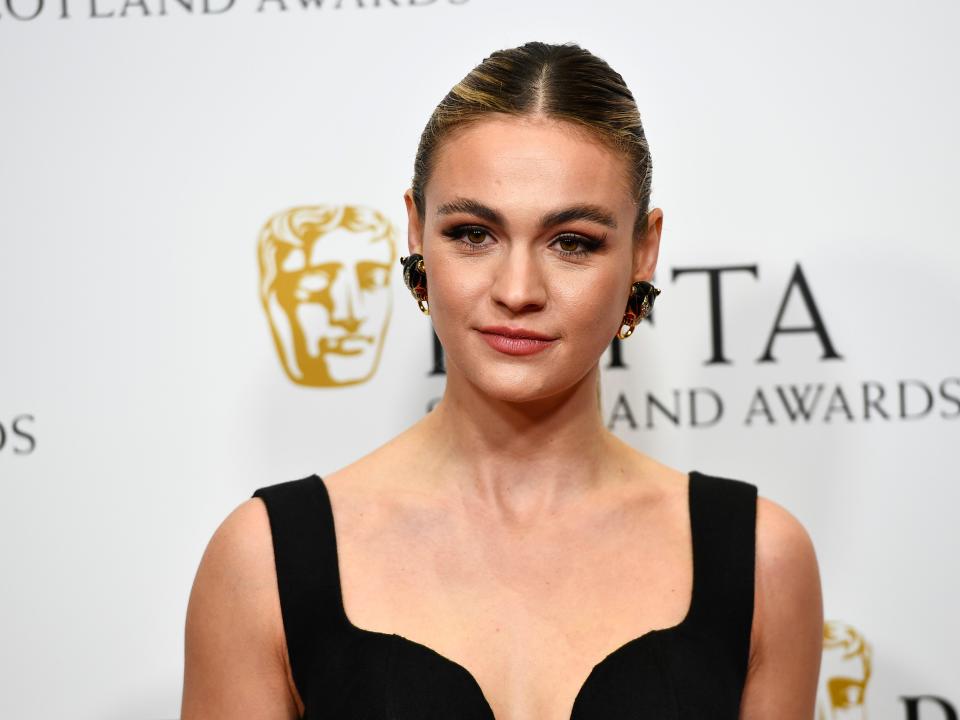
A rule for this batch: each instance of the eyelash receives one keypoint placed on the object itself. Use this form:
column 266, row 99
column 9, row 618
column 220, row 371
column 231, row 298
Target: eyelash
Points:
column 591, row 244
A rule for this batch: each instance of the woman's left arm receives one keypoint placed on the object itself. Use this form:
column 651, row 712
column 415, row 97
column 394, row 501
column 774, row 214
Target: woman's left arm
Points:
column 787, row 634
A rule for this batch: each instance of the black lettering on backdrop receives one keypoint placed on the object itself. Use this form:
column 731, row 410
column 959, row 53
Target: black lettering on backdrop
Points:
column 621, row 410
column 800, row 282
column 672, row 411
column 134, row 3
column 759, row 406
column 26, row 10
column 718, row 404
column 37, row 9
column 95, row 14
column 17, row 430
column 358, row 4
column 902, row 386
column 800, row 405
column 674, row 416
column 837, row 400
column 716, row 313
column 874, row 403
column 955, row 399
column 916, row 400
column 185, row 4
column 616, row 354
column 913, row 707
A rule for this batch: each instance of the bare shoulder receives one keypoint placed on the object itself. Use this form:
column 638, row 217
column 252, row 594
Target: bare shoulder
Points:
column 235, row 652
column 241, row 550
column 786, row 558
column 787, row 633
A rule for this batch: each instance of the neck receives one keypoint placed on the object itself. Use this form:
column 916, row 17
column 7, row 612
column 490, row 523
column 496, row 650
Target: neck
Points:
column 526, row 458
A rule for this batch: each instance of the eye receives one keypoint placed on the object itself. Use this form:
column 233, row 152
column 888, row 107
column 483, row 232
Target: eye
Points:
column 576, row 245
column 470, row 235
column 568, row 243
column 475, row 235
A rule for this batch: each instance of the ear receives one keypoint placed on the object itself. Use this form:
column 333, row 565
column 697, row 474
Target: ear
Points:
column 647, row 247
column 414, row 226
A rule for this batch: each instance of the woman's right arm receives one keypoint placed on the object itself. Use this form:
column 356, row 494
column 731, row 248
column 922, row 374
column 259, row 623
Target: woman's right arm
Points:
column 235, row 655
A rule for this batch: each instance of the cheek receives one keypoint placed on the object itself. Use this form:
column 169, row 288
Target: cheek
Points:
column 593, row 311
column 453, row 290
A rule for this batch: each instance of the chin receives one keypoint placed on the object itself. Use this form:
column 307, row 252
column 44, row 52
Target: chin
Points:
column 516, row 392
column 520, row 385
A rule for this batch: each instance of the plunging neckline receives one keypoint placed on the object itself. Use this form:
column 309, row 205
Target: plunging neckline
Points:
column 584, row 687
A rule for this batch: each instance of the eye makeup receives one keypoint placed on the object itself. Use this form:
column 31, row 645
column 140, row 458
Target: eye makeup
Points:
column 463, row 233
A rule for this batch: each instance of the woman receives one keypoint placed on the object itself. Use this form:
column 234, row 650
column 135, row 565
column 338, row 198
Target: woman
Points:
column 507, row 556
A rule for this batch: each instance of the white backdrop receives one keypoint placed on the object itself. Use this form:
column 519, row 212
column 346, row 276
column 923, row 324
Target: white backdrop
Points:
column 143, row 146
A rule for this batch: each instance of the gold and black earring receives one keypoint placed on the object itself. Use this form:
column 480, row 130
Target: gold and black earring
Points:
column 415, row 278
column 639, row 305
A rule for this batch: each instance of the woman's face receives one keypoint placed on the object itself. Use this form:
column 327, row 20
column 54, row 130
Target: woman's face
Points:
column 528, row 230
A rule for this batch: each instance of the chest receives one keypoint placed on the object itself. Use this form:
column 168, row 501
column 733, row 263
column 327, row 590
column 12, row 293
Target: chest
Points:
column 474, row 627
column 526, row 615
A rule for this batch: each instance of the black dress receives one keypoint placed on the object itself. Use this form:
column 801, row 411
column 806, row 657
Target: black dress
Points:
column 691, row 671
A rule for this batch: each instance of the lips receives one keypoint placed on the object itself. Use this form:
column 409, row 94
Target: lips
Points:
column 515, row 341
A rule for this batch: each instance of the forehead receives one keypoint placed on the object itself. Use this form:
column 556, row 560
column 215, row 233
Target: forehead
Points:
column 344, row 245
column 520, row 162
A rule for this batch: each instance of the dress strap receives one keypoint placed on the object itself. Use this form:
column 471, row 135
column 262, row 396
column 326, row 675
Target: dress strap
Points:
column 301, row 523
column 723, row 518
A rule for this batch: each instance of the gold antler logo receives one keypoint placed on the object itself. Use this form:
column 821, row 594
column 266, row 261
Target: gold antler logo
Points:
column 325, row 287
column 844, row 673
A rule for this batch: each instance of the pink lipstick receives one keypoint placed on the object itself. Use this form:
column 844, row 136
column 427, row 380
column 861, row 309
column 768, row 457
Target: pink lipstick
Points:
column 515, row 341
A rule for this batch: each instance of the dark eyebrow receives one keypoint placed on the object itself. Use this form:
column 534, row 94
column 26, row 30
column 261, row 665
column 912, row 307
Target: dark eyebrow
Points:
column 472, row 207
column 592, row 213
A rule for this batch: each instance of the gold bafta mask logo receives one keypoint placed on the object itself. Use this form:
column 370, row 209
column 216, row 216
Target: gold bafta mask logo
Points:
column 325, row 287
column 844, row 673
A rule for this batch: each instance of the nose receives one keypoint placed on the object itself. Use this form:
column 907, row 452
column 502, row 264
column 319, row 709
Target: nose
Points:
column 344, row 296
column 519, row 281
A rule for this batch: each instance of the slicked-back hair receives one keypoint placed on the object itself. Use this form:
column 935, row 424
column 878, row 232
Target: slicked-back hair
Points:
column 563, row 82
